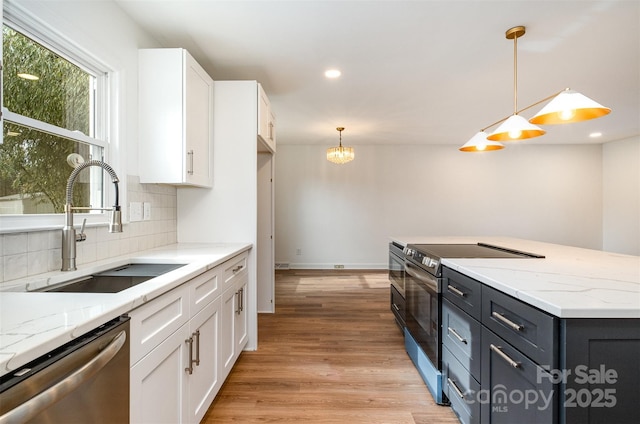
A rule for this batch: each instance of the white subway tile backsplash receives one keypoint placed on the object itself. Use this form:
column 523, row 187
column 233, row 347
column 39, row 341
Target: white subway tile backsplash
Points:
column 14, row 244
column 37, row 241
column 15, row 266
column 31, row 253
column 37, row 262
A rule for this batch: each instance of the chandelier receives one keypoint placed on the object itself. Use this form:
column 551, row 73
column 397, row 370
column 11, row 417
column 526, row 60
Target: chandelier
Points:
column 340, row 154
column 566, row 107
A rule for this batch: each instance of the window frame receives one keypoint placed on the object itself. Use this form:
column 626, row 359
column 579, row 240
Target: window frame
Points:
column 20, row 20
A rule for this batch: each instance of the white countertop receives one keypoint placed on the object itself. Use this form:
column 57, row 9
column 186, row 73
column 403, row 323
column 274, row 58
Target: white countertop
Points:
column 569, row 282
column 34, row 323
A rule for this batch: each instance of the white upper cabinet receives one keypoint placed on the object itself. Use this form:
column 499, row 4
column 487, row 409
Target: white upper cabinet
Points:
column 266, row 123
column 175, row 119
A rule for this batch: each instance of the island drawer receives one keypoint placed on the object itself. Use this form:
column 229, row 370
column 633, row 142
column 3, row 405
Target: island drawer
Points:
column 398, row 306
column 461, row 388
column 462, row 291
column 461, row 334
column 525, row 327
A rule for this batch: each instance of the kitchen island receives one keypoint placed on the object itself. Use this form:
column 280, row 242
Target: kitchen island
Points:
column 564, row 329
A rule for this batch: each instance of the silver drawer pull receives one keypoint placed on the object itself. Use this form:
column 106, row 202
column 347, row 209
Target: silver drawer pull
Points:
column 456, row 291
column 455, row 387
column 504, row 356
column 458, row 336
column 516, row 327
column 236, row 269
column 395, row 307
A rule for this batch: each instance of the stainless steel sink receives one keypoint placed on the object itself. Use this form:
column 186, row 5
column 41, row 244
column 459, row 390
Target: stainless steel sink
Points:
column 113, row 280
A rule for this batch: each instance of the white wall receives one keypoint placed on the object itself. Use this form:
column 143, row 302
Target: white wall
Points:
column 621, row 197
column 344, row 214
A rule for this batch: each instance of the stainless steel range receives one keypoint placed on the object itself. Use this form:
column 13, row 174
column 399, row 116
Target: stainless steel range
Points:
column 423, row 295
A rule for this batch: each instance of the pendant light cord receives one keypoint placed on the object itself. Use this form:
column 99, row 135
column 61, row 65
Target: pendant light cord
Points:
column 515, row 75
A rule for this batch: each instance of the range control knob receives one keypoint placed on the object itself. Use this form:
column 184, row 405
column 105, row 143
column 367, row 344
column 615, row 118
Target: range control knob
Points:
column 407, row 251
column 433, row 263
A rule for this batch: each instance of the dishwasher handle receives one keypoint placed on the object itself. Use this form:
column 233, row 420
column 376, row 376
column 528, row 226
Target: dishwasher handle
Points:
column 43, row 400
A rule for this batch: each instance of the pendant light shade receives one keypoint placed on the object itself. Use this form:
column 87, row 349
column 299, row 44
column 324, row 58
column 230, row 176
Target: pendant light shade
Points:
column 479, row 143
column 516, row 128
column 567, row 107
column 340, row 154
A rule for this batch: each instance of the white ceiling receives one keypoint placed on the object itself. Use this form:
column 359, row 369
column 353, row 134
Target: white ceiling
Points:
column 413, row 72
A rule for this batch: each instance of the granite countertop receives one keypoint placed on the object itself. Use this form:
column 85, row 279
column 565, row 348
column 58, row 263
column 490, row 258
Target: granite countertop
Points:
column 34, row 323
column 569, row 282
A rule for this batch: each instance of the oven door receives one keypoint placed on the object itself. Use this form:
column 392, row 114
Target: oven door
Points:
column 423, row 310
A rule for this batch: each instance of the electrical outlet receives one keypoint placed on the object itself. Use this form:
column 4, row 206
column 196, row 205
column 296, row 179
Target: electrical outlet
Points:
column 135, row 211
column 298, row 252
column 146, row 211
column 338, row 266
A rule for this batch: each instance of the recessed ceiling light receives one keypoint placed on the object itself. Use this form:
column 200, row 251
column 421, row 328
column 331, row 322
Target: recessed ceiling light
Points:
column 332, row 73
column 28, row 76
column 595, row 134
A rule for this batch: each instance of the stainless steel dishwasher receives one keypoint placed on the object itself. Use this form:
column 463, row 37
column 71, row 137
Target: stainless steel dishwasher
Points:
column 84, row 381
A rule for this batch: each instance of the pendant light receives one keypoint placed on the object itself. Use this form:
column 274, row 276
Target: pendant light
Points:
column 479, row 143
column 340, row 154
column 566, row 106
column 515, row 127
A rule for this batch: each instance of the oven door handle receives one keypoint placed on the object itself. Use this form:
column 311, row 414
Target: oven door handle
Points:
column 43, row 400
column 424, row 277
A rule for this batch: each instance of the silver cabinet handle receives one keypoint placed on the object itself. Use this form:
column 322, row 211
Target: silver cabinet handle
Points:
column 458, row 336
column 43, row 400
column 236, row 269
column 238, row 302
column 189, row 369
column 513, row 325
column 456, row 291
column 196, row 336
column 504, row 356
column 455, row 387
column 395, row 307
column 190, row 154
column 241, row 299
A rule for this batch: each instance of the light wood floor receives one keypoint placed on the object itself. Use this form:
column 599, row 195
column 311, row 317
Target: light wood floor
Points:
column 331, row 353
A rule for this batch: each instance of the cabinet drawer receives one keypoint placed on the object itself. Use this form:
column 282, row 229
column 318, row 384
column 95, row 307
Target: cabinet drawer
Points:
column 462, row 291
column 203, row 289
column 155, row 321
column 462, row 334
column 234, row 267
column 398, row 306
column 519, row 390
column 461, row 388
column 530, row 330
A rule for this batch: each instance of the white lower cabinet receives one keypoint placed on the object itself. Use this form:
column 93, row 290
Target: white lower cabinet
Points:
column 158, row 382
column 204, row 380
column 183, row 347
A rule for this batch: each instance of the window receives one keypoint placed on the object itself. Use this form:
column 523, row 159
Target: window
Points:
column 52, row 107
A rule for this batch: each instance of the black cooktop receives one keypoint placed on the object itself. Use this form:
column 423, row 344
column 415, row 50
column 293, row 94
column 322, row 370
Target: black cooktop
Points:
column 479, row 250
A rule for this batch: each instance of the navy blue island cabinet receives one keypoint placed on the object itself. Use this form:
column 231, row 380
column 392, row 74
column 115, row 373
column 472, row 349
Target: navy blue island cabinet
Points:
column 505, row 361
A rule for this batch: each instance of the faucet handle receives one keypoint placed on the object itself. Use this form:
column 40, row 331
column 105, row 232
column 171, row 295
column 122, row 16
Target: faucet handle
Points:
column 82, row 236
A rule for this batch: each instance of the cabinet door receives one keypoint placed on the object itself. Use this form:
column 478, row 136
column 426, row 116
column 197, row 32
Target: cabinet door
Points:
column 158, row 382
column 227, row 331
column 241, row 325
column 514, row 388
column 266, row 123
column 198, row 117
column 205, row 380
